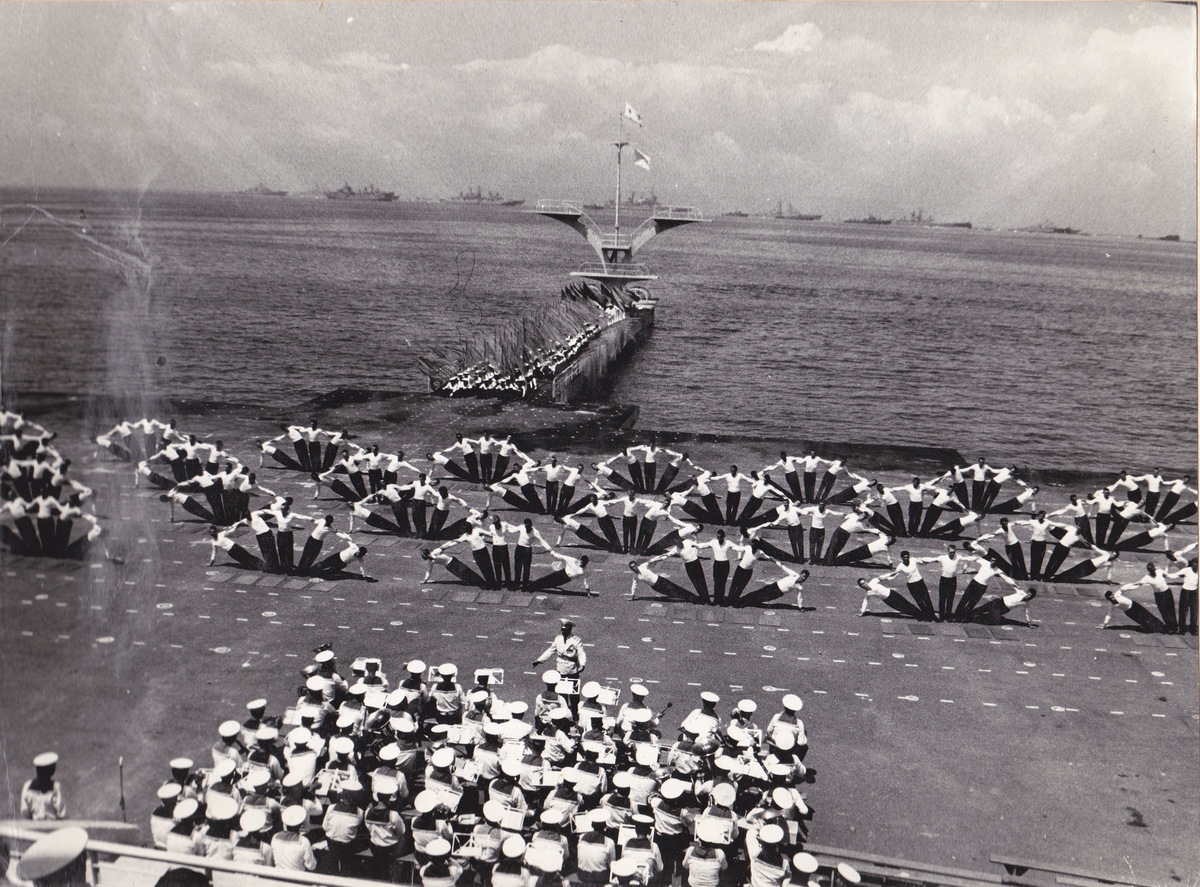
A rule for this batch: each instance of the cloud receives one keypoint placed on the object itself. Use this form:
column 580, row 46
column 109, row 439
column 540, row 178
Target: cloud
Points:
column 796, row 39
column 362, row 60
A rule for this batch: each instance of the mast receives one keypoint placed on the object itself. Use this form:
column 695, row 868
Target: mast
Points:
column 620, row 143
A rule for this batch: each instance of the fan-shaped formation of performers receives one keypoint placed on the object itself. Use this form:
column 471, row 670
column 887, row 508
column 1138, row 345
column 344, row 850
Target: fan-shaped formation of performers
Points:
column 660, row 506
column 427, row 778
column 43, row 511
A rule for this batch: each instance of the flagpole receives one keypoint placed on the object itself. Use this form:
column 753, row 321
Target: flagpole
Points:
column 620, row 145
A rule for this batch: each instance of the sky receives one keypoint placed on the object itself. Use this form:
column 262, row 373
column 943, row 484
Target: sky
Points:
column 1005, row 114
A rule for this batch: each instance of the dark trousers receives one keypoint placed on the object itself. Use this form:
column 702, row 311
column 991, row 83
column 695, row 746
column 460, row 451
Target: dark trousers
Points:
column 308, row 557
column 695, row 572
column 816, row 541
column 484, row 563
column 796, row 539
column 1187, row 610
column 628, row 532
column 1165, row 601
column 826, row 487
column 645, row 533
column 266, row 544
column 501, row 567
column 284, row 542
column 810, row 483
column 947, row 588
column 914, row 517
column 649, row 472
column 1037, row 551
column 522, row 561
column 1058, row 555
column 551, row 497
column 720, row 573
column 920, row 593
column 1016, row 560
column 896, row 515
column 971, row 596
column 731, row 507
column 932, row 513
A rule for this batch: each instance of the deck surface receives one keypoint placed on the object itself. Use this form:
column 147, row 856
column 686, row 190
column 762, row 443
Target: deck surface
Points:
column 936, row 743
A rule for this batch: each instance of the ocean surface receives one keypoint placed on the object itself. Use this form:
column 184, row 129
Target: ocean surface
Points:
column 1051, row 351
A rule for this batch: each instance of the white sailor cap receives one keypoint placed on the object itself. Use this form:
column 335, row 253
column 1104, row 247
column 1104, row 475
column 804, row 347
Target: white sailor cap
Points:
column 315, row 684
column 784, row 740
column 229, row 729
column 438, row 847
column 291, row 779
column 848, row 873
column 805, row 862
column 383, row 784
column 425, row 802
column 266, row 734
column 294, row 815
column 622, row 779
column 447, row 669
column 493, row 811
column 257, row 778
column 253, row 819
column 518, row 708
column 50, row 854
column 710, row 697
column 186, row 809
column 220, row 807
column 389, row 752
column 299, row 736
column 782, row 798
column 415, row 667
column 672, row 788
column 341, row 745
column 590, row 690
column 639, row 690
column 551, row 816
column 646, row 754
column 511, row 768
column 224, row 767
column 182, row 764
column 45, row 759
column 641, row 716
column 346, row 719
column 724, row 794
column 491, row 728
column 564, row 622
column 358, row 690
column 559, row 714
column 324, row 656
column 397, row 697
column 747, row 706
column 624, row 867
column 779, row 769
column 477, row 696
column 256, row 704
column 792, row 702
column 513, row 847
column 443, row 757
column 551, row 676
column 770, row 834
column 169, row 790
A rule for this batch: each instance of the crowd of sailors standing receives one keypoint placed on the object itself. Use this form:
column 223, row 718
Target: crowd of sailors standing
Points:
column 426, row 778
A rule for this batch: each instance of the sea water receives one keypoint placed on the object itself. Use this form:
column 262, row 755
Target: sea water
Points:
column 1052, row 351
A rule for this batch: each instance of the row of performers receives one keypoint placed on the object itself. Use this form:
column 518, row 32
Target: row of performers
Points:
column 43, row 512
column 486, row 380
column 582, row 789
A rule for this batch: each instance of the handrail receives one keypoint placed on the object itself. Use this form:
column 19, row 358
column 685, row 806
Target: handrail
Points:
column 682, row 213
column 1016, row 867
column 26, row 833
column 563, row 207
column 614, row 269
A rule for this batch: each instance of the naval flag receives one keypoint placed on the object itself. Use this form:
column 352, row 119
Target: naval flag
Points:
column 640, row 159
column 632, row 114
